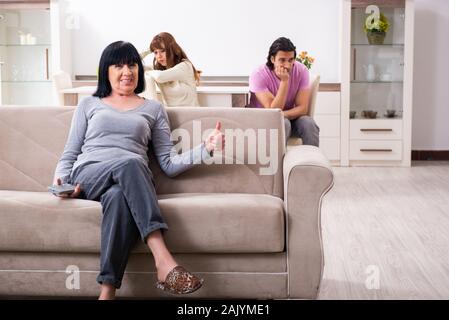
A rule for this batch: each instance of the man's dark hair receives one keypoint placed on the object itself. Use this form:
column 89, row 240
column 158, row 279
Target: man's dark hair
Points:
column 280, row 44
column 119, row 52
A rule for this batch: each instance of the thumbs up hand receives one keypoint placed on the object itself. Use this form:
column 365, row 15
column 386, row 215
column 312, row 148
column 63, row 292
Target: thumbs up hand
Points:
column 216, row 140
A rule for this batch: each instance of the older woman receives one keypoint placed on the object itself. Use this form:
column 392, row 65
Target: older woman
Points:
column 106, row 158
column 172, row 72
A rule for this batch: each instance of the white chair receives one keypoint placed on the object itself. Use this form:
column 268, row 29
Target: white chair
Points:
column 314, row 84
column 61, row 80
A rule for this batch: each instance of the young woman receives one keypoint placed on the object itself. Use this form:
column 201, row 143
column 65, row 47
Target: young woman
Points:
column 172, row 72
column 106, row 158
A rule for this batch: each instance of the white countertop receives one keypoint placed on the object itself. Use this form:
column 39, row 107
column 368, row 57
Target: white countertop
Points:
column 223, row 89
column 80, row 90
column 200, row 90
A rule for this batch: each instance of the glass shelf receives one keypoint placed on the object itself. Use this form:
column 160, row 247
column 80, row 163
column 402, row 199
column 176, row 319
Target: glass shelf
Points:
column 377, row 64
column 377, row 118
column 26, row 81
column 401, row 45
column 378, row 81
column 26, row 45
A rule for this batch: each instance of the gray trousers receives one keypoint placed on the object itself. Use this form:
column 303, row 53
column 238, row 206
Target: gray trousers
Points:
column 130, row 209
column 305, row 128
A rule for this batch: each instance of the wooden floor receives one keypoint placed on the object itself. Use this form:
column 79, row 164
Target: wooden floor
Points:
column 386, row 233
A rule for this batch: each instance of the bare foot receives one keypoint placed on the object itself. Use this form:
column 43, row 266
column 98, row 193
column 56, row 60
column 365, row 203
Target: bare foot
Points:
column 164, row 268
column 163, row 259
column 107, row 292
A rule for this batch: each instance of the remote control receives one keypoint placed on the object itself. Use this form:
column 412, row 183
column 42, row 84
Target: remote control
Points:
column 61, row 189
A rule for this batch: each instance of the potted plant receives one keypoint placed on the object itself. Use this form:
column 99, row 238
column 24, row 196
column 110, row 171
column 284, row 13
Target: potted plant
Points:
column 305, row 59
column 376, row 28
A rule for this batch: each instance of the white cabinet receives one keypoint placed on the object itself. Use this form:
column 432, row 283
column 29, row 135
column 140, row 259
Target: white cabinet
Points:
column 25, row 50
column 375, row 150
column 328, row 102
column 219, row 100
column 375, row 129
column 329, row 125
column 377, row 78
column 327, row 117
column 375, row 140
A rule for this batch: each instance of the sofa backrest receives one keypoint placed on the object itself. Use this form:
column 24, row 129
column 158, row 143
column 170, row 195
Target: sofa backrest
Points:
column 32, row 139
column 247, row 171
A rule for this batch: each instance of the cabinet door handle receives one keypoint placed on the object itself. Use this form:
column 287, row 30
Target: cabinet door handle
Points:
column 376, row 150
column 47, row 73
column 376, row 130
column 354, row 64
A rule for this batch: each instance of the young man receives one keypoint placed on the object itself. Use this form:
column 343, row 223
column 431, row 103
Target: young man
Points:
column 283, row 83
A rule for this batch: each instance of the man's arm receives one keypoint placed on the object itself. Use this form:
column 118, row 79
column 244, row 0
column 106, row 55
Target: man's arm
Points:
column 268, row 100
column 301, row 107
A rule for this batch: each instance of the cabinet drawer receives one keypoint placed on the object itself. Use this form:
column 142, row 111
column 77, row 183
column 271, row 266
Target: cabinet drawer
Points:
column 375, row 150
column 327, row 103
column 215, row 100
column 375, row 129
column 329, row 125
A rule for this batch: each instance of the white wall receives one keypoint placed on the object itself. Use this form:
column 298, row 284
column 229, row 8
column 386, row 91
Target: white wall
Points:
column 229, row 37
column 61, row 36
column 232, row 37
column 431, row 76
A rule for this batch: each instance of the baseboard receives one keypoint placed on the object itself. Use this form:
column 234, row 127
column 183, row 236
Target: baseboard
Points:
column 438, row 155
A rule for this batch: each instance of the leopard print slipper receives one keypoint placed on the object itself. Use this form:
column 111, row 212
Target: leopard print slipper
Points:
column 180, row 281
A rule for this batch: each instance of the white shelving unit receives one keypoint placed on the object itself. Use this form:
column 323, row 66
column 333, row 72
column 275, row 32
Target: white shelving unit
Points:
column 25, row 50
column 377, row 77
column 327, row 116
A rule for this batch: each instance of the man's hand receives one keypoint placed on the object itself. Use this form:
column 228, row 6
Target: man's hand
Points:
column 282, row 73
column 74, row 194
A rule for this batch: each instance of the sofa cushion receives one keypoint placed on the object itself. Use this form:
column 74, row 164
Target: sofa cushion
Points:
column 199, row 223
column 219, row 222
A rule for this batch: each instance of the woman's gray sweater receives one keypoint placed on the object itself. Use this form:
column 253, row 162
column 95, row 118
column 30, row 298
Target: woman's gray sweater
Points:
column 100, row 132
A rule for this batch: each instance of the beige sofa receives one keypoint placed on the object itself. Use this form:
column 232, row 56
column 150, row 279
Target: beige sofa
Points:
column 249, row 235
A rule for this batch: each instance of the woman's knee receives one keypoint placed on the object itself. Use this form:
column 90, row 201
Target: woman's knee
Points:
column 114, row 204
column 114, row 193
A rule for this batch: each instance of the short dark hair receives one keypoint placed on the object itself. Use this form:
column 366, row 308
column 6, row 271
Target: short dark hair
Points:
column 119, row 52
column 280, row 44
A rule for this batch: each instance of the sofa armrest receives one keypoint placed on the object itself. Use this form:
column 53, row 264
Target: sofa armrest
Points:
column 307, row 178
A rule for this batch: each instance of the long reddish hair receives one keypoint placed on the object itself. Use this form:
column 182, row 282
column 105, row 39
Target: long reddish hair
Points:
column 173, row 52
